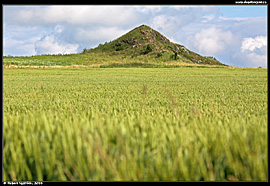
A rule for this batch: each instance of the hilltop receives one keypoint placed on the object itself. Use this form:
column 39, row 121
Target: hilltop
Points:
column 140, row 47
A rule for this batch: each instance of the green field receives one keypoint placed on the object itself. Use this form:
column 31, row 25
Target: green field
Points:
column 141, row 124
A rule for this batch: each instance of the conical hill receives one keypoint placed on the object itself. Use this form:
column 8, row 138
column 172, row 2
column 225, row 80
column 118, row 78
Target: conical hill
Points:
column 144, row 41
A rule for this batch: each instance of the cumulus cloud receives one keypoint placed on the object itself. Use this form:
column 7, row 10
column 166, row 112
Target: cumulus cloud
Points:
column 211, row 41
column 52, row 43
column 48, row 45
column 250, row 44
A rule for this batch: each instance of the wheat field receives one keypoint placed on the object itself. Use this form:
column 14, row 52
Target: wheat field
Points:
column 135, row 124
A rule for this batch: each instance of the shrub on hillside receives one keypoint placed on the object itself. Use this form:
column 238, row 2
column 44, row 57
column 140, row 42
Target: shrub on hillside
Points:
column 148, row 49
column 159, row 54
column 119, row 48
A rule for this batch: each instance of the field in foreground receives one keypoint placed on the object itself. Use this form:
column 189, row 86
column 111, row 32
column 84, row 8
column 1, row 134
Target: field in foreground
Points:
column 140, row 124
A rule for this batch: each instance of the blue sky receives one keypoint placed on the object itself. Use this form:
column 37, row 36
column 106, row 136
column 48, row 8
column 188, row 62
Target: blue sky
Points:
column 235, row 35
column 231, row 11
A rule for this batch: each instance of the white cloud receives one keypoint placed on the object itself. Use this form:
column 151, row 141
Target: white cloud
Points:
column 53, row 43
column 211, row 41
column 253, row 43
column 49, row 45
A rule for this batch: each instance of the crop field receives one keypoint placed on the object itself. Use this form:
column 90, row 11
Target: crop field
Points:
column 135, row 124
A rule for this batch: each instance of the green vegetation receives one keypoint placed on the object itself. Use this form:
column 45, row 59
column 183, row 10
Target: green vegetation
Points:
column 159, row 54
column 148, row 49
column 134, row 123
column 95, row 60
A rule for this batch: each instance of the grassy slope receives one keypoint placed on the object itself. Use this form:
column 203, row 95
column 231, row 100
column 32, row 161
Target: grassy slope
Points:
column 135, row 124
